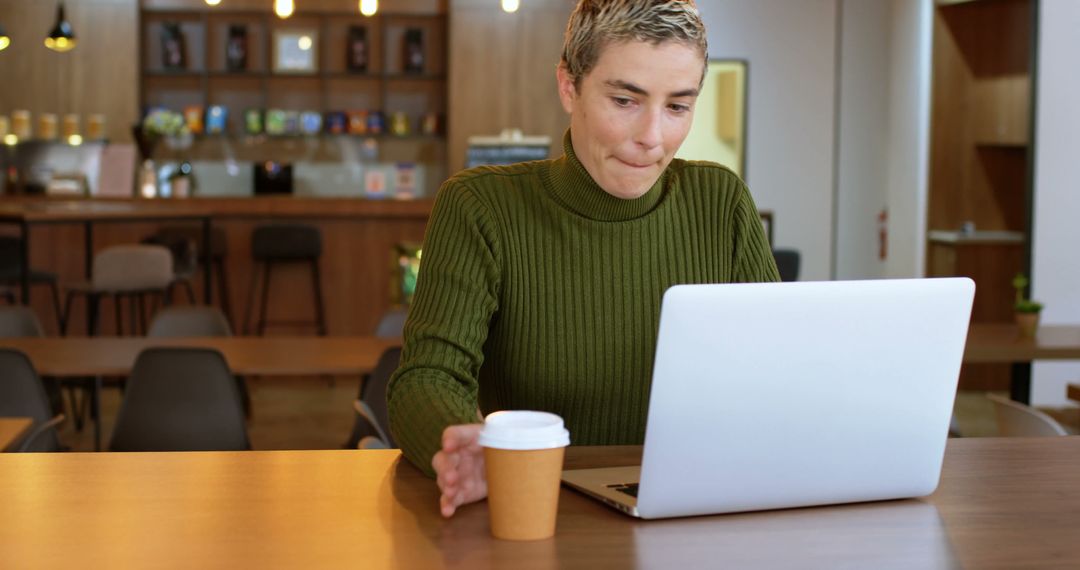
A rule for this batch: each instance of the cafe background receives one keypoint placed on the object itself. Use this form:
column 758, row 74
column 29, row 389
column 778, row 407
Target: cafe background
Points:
column 839, row 125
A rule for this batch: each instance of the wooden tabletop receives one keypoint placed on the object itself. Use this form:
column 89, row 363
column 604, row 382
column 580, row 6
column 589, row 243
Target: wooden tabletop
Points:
column 988, row 343
column 98, row 210
column 12, row 430
column 1002, row 503
column 270, row 355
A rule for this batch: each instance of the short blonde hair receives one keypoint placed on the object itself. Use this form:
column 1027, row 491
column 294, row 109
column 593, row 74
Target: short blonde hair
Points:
column 597, row 23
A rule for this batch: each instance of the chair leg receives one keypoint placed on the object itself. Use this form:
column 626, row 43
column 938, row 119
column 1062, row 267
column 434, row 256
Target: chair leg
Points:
column 250, row 304
column 261, row 329
column 65, row 317
column 118, row 308
column 189, row 290
column 223, row 292
column 142, row 313
column 320, row 313
column 92, row 313
column 56, row 304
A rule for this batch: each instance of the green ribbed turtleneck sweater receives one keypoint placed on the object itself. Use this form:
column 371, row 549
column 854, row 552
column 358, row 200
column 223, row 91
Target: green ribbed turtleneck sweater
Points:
column 540, row 291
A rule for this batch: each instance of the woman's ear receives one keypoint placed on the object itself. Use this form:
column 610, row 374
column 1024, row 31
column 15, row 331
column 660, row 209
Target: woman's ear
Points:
column 567, row 91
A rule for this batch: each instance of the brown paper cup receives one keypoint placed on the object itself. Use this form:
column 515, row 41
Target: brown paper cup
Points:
column 523, row 491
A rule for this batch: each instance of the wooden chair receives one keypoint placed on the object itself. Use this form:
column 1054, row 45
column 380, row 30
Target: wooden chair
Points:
column 1018, row 420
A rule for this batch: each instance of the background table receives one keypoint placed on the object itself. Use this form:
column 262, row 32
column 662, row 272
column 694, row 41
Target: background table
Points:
column 1002, row 343
column 246, row 356
column 1001, row 503
column 12, row 431
column 87, row 212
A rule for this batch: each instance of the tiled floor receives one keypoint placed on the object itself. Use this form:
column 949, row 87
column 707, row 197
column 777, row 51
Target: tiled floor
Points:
column 309, row 413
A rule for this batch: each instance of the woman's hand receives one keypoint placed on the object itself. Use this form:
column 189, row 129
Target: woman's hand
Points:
column 459, row 468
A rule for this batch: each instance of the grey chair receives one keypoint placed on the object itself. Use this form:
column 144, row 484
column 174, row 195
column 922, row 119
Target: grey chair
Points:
column 124, row 272
column 11, row 275
column 392, row 323
column 19, row 321
column 193, row 321
column 23, row 395
column 787, row 262
column 185, row 243
column 1018, row 420
column 180, row 399
column 371, row 427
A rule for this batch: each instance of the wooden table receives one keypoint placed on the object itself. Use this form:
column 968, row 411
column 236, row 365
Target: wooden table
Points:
column 1001, row 503
column 1002, row 343
column 12, row 431
column 88, row 212
column 246, row 356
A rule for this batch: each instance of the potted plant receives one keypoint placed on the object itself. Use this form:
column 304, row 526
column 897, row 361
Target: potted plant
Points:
column 1026, row 310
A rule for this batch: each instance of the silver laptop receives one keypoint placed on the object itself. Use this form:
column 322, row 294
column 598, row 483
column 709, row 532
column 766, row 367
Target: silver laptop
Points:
column 776, row 395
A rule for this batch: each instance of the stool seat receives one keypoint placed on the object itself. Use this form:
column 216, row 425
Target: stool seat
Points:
column 286, row 242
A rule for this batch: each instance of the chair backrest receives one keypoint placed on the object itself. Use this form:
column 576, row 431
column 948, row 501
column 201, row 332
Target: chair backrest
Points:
column 787, row 262
column 187, row 321
column 23, row 395
column 392, row 324
column 19, row 321
column 373, row 392
column 1018, row 420
column 132, row 268
column 180, row 399
column 10, row 254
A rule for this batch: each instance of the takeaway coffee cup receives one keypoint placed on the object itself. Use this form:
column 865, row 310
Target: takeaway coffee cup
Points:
column 523, row 456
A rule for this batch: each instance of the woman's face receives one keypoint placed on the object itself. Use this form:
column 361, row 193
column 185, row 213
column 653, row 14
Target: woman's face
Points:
column 630, row 114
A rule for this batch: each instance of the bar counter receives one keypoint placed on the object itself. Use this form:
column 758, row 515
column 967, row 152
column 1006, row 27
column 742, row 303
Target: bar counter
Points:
column 358, row 260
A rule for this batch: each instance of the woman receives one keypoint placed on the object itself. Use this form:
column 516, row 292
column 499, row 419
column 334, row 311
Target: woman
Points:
column 542, row 281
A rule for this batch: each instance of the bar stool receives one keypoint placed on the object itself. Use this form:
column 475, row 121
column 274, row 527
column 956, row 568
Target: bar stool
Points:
column 277, row 244
column 11, row 276
column 185, row 243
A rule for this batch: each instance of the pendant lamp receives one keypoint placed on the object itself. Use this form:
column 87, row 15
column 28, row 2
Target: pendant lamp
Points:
column 62, row 37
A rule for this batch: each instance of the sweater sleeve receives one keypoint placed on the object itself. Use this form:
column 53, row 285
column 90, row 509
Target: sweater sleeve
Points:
column 435, row 385
column 754, row 262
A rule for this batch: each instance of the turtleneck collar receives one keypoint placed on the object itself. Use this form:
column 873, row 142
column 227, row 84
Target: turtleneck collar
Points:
column 571, row 186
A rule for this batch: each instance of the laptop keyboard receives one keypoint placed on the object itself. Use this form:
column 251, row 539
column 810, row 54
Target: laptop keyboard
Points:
column 628, row 488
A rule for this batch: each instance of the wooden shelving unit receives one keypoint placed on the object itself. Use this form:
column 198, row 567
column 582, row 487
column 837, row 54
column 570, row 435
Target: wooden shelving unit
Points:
column 981, row 153
column 332, row 87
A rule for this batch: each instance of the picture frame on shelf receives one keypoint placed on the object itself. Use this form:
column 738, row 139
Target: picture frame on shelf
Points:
column 236, row 48
column 296, row 50
column 173, row 47
column 356, row 53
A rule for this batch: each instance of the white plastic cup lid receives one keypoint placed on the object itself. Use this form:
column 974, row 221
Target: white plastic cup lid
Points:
column 523, row 430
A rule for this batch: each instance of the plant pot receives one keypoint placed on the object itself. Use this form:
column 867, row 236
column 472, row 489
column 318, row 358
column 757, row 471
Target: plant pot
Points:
column 1028, row 323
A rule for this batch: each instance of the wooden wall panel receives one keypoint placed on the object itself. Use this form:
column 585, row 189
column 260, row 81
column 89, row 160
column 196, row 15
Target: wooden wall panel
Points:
column 99, row 76
column 385, row 6
column 502, row 71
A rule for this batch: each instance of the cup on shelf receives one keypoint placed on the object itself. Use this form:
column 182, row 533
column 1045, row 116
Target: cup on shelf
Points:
column 95, row 127
column 20, row 125
column 71, row 126
column 47, row 126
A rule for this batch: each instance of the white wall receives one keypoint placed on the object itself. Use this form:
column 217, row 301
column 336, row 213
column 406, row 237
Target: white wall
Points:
column 863, row 123
column 1055, row 261
column 908, row 136
column 790, row 46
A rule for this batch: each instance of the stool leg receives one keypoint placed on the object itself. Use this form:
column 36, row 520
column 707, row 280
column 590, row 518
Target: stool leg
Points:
column 316, row 281
column 223, row 292
column 142, row 314
column 265, row 297
column 56, row 304
column 92, row 311
column 250, row 304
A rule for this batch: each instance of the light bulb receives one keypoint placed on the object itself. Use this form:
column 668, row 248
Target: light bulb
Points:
column 213, row 2
column 304, row 43
column 4, row 41
column 75, row 140
column 510, row 6
column 11, row 140
column 283, row 8
column 369, row 7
